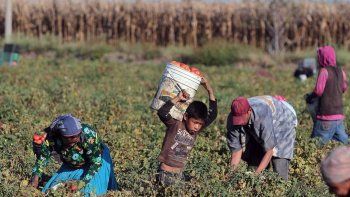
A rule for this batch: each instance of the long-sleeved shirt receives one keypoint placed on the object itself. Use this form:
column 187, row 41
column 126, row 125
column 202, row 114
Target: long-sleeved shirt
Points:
column 87, row 153
column 319, row 89
column 271, row 126
column 178, row 142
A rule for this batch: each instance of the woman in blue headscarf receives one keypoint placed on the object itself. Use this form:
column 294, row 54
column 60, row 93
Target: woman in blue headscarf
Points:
column 85, row 158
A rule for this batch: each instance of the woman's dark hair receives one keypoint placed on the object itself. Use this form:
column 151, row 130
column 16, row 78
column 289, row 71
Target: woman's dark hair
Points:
column 197, row 110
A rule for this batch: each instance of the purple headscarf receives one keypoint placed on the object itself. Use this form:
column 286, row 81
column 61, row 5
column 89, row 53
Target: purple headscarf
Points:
column 326, row 56
column 67, row 125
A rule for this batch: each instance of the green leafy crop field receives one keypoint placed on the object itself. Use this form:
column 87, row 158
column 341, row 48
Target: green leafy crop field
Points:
column 115, row 97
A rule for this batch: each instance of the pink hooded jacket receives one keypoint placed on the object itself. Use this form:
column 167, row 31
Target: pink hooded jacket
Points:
column 326, row 57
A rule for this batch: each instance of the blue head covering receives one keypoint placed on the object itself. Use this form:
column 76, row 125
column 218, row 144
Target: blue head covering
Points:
column 66, row 125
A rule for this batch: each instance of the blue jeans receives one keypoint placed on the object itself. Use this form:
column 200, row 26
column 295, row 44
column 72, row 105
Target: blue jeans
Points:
column 330, row 130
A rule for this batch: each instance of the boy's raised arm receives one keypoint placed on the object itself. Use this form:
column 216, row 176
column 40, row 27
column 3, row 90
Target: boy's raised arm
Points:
column 213, row 110
column 163, row 112
column 208, row 87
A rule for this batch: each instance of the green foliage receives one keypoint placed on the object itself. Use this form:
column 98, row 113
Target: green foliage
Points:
column 148, row 51
column 220, row 52
column 342, row 55
column 31, row 44
column 140, row 50
column 51, row 46
column 115, row 98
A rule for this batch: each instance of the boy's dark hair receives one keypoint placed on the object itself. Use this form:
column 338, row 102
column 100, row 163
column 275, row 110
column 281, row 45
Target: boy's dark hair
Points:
column 197, row 110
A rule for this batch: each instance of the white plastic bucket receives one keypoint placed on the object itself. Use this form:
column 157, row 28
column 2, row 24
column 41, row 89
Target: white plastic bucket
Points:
column 174, row 80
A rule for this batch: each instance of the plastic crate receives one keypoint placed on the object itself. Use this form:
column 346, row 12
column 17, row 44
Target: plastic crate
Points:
column 10, row 55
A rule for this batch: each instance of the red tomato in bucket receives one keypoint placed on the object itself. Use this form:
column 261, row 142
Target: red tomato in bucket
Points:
column 181, row 65
column 176, row 63
column 186, row 67
column 196, row 71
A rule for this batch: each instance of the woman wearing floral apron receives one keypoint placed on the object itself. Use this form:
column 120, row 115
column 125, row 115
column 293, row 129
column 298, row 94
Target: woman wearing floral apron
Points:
column 85, row 158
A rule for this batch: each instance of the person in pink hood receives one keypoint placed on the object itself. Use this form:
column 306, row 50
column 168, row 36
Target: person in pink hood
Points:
column 330, row 86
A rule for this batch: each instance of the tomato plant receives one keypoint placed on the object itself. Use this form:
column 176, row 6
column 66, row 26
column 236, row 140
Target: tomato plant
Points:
column 115, row 97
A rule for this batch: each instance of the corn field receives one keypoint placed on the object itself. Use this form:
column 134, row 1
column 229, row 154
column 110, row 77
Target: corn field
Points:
column 274, row 25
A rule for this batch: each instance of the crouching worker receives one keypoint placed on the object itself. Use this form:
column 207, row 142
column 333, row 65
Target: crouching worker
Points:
column 335, row 170
column 180, row 136
column 262, row 129
column 85, row 158
column 306, row 68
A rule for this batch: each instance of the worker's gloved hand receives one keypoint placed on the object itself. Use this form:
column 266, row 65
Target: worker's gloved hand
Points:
column 309, row 97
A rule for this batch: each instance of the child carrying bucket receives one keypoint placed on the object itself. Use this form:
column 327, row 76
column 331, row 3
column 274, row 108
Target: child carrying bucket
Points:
column 181, row 134
column 176, row 78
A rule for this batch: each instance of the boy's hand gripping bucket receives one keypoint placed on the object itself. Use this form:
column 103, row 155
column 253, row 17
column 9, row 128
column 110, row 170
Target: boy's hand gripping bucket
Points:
column 174, row 80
